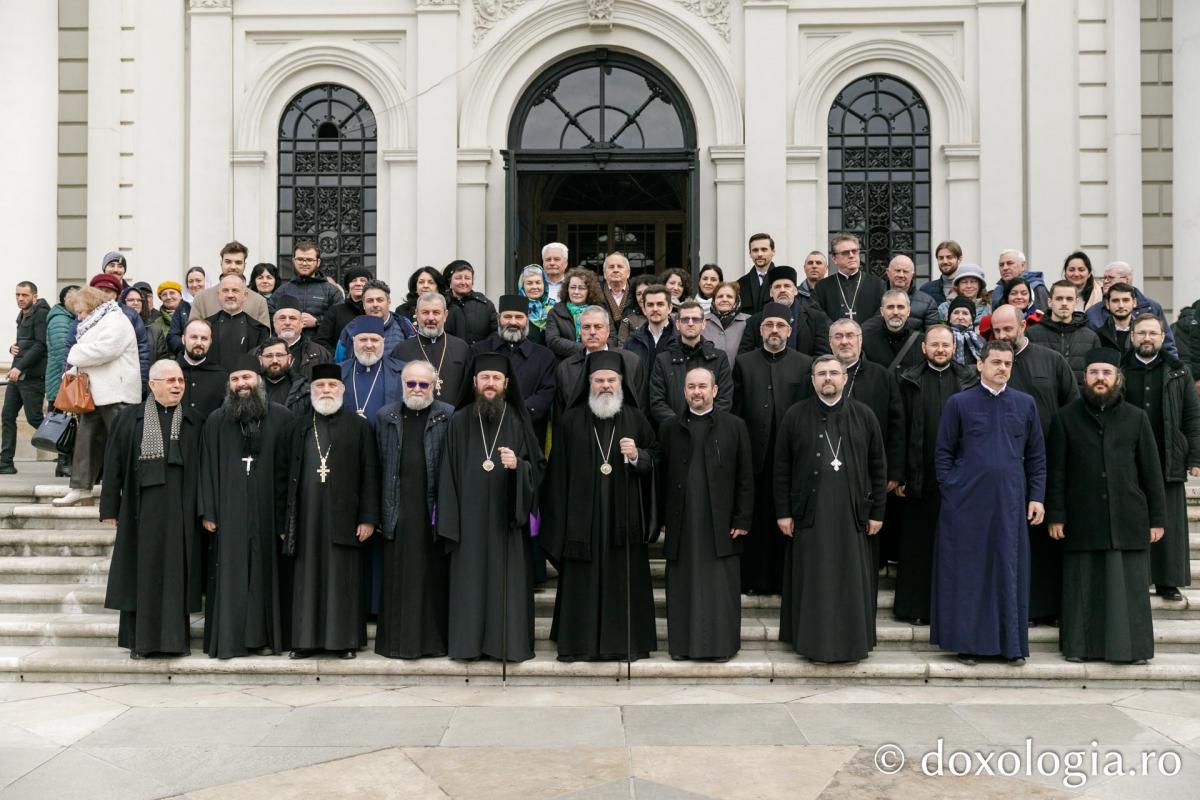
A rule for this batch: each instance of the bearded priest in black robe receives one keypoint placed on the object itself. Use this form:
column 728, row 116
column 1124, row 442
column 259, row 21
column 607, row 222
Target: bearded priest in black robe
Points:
column 597, row 516
column 925, row 389
column 830, row 490
column 149, row 493
column 412, row 437
column 767, row 382
column 707, row 493
column 487, row 488
column 243, row 492
column 1105, row 503
column 332, row 509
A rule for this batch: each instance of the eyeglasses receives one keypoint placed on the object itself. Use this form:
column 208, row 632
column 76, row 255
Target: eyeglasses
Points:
column 305, row 260
column 847, row 253
column 417, row 384
column 690, row 320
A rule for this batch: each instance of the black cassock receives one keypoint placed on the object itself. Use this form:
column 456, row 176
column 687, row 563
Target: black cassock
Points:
column 247, row 500
column 707, row 491
column 878, row 388
column 413, row 604
column 828, row 607
column 482, row 514
column 450, row 356
column 925, row 391
column 154, row 579
column 329, row 603
column 596, row 527
column 766, row 385
column 233, row 335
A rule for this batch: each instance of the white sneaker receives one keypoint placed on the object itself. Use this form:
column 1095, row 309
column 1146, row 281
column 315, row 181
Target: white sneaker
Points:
column 72, row 497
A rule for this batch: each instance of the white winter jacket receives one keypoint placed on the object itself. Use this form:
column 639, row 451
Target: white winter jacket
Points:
column 108, row 354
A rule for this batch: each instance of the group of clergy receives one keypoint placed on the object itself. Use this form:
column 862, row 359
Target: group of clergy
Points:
column 419, row 491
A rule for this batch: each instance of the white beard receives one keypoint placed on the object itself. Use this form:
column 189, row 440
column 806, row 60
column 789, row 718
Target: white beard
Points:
column 606, row 406
column 327, row 406
column 367, row 360
column 416, row 402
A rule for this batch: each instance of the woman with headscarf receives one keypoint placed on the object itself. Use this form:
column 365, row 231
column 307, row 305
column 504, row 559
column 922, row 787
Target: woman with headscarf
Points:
column 532, row 286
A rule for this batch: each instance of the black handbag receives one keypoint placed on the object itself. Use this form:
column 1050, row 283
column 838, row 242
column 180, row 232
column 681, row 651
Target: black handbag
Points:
column 56, row 434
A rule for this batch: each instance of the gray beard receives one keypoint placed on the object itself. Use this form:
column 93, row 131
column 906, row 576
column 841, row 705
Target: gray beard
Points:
column 606, row 406
column 431, row 333
column 367, row 361
column 417, row 402
column 895, row 325
column 328, row 406
column 251, row 408
column 490, row 411
column 514, row 337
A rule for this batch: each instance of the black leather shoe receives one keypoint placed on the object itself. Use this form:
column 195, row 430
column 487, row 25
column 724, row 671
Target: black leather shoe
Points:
column 136, row 656
column 346, row 655
column 920, row 621
column 7, row 469
column 1168, row 593
column 297, row 654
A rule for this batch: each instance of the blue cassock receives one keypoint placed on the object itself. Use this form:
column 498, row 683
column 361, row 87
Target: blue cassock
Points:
column 991, row 463
column 369, row 390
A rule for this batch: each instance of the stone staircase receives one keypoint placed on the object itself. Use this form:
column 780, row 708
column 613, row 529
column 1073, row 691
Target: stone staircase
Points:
column 54, row 627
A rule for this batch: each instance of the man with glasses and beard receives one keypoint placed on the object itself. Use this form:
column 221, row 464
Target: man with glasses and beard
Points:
column 413, row 607
column 450, row 355
column 808, row 327
column 1159, row 384
column 332, row 509
column 689, row 351
column 1105, row 503
column 284, row 386
column 490, row 473
column 241, row 506
column 597, row 519
column 534, row 364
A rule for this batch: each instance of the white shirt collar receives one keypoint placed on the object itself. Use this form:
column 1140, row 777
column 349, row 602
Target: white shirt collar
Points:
column 828, row 404
column 993, row 392
column 695, row 413
column 1147, row 362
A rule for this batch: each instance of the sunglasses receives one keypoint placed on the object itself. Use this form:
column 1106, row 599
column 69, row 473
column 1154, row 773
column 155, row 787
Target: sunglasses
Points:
column 416, row 384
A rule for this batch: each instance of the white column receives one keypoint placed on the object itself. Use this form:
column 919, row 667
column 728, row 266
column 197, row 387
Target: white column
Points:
column 729, row 172
column 805, row 211
column 1185, row 48
column 962, row 200
column 766, row 88
column 401, row 169
column 158, row 184
column 1125, row 133
column 1001, row 130
column 473, row 165
column 251, row 190
column 104, row 130
column 1052, row 171
column 29, row 199
column 436, row 41
column 210, row 131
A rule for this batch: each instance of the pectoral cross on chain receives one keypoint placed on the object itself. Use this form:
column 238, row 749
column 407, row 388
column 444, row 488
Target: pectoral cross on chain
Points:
column 248, row 460
column 850, row 312
column 323, row 470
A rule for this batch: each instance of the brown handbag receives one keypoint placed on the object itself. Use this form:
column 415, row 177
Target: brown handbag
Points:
column 74, row 394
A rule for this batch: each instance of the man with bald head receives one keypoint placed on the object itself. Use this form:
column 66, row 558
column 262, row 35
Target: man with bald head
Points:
column 1046, row 376
column 1120, row 272
column 901, row 274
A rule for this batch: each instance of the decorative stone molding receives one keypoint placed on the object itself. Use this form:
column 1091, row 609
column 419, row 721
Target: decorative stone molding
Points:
column 210, row 5
column 489, row 12
column 437, row 3
column 714, row 12
column 251, row 157
column 600, row 14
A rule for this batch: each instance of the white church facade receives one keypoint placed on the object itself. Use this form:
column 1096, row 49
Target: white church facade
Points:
column 401, row 133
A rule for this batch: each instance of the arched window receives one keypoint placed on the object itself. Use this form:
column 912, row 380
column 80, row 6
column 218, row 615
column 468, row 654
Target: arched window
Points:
column 879, row 170
column 327, row 152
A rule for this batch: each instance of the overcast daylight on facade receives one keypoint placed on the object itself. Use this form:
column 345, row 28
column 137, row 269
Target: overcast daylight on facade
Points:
column 391, row 135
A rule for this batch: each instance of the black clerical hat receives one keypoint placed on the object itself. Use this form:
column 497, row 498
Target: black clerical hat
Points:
column 245, row 362
column 781, row 273
column 1104, row 355
column 286, row 301
column 513, row 302
column 605, row 359
column 493, row 362
column 777, row 311
column 324, row 372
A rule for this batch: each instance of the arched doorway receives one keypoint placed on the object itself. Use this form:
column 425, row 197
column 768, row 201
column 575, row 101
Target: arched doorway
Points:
column 327, row 179
column 879, row 170
column 602, row 157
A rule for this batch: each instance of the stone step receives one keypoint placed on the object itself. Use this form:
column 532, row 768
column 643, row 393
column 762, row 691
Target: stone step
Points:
column 54, row 569
column 42, row 515
column 74, row 542
column 51, row 598
column 111, row 665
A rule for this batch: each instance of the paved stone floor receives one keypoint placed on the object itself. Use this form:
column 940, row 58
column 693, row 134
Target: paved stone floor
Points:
column 667, row 742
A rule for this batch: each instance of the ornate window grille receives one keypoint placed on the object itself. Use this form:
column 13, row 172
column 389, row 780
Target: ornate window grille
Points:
column 879, row 170
column 327, row 179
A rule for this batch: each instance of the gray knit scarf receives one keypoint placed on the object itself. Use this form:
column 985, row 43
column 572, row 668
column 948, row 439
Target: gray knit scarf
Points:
column 152, row 439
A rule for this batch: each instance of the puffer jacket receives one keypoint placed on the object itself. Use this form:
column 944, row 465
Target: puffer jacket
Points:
column 1072, row 340
column 314, row 294
column 59, row 322
column 108, row 353
column 471, row 318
